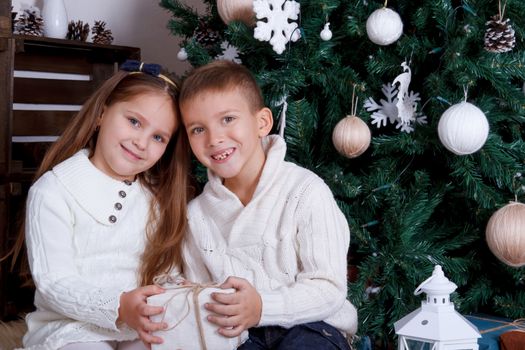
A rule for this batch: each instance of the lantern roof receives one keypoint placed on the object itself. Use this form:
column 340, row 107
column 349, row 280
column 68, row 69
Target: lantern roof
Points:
column 436, row 284
column 436, row 319
column 444, row 325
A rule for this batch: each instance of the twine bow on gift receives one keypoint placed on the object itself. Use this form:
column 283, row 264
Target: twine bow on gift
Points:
column 182, row 286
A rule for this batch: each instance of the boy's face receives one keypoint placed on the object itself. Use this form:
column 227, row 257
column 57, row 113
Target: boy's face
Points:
column 225, row 134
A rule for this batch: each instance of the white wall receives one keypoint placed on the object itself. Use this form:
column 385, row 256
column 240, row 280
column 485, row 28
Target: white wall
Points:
column 140, row 23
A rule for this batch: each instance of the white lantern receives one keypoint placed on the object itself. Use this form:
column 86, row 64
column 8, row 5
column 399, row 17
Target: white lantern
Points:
column 436, row 325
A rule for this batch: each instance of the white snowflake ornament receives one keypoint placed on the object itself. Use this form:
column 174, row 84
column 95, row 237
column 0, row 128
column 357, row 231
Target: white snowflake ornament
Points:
column 229, row 53
column 277, row 29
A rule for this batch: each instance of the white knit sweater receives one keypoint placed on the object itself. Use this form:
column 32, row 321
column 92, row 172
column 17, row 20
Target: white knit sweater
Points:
column 80, row 260
column 290, row 241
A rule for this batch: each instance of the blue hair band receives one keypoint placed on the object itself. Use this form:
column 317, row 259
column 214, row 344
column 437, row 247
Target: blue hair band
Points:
column 134, row 66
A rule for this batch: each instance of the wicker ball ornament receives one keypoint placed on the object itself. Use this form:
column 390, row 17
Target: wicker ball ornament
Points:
column 351, row 136
column 236, row 10
column 384, row 26
column 463, row 128
column 505, row 234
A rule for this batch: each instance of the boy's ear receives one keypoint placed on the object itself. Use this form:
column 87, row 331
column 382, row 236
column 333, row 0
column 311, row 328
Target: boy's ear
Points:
column 265, row 121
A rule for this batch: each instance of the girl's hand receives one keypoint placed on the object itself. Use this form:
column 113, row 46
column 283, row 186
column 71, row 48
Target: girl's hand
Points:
column 135, row 312
column 235, row 312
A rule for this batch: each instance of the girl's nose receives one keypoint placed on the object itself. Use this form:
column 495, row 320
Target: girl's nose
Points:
column 140, row 141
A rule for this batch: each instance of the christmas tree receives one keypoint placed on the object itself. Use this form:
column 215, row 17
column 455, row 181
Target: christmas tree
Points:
column 439, row 84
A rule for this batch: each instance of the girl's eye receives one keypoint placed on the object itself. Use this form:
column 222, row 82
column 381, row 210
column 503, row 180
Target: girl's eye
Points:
column 158, row 138
column 134, row 121
column 197, row 130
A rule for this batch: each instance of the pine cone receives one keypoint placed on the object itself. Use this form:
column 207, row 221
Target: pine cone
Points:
column 101, row 35
column 77, row 31
column 29, row 23
column 205, row 35
column 499, row 36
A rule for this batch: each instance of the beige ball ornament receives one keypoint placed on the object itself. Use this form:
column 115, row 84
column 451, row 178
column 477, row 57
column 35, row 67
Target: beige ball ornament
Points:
column 351, row 136
column 463, row 128
column 384, row 26
column 505, row 234
column 236, row 10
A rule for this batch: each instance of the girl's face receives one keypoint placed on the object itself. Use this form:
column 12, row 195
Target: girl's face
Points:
column 134, row 134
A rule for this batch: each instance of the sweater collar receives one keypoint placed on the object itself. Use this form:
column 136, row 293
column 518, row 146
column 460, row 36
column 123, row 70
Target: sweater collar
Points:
column 96, row 192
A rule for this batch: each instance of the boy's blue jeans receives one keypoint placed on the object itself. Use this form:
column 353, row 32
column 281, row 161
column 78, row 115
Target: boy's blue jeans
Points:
column 311, row 336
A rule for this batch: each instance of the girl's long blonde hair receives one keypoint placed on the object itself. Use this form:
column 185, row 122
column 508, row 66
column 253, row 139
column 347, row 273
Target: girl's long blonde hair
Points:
column 168, row 179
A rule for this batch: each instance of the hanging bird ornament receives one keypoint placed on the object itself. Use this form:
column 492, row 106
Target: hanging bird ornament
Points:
column 400, row 106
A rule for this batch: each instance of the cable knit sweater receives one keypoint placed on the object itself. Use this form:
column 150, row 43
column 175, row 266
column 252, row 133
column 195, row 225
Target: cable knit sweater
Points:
column 290, row 241
column 83, row 252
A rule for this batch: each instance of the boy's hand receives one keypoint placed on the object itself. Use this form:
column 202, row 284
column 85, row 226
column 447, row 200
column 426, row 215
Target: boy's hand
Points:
column 135, row 312
column 236, row 311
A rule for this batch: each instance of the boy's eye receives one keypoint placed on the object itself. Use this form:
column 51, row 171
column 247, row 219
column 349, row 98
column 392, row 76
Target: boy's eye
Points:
column 134, row 121
column 228, row 119
column 197, row 130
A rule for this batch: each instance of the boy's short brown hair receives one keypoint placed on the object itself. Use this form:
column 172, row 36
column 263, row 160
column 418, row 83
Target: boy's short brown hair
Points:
column 219, row 76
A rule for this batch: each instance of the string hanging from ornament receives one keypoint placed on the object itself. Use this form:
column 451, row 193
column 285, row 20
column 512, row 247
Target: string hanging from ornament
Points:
column 384, row 26
column 282, row 118
column 463, row 128
column 351, row 136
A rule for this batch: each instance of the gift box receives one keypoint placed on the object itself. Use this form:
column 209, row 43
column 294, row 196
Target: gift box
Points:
column 491, row 328
column 512, row 340
column 184, row 312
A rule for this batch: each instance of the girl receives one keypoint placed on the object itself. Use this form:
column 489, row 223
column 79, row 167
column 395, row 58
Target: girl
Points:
column 114, row 183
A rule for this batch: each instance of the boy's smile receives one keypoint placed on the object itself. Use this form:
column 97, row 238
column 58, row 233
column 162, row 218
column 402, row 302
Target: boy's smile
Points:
column 225, row 135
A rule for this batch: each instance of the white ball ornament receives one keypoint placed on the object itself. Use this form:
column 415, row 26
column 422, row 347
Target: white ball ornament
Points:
column 351, row 136
column 236, row 10
column 463, row 128
column 505, row 234
column 182, row 55
column 384, row 26
column 326, row 33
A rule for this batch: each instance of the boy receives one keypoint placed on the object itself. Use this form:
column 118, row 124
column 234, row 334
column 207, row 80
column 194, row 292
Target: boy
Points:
column 268, row 228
